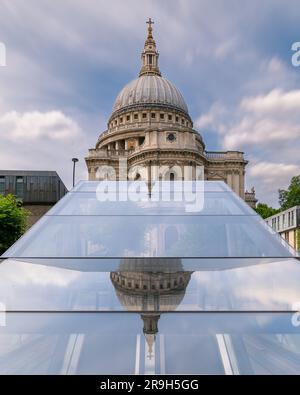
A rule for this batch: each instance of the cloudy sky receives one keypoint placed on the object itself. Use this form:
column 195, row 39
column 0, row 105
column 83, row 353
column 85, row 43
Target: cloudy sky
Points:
column 68, row 59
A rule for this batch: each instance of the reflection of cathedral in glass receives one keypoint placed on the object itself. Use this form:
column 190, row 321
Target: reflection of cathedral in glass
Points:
column 151, row 286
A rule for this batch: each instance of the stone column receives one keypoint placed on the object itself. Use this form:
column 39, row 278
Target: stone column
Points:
column 229, row 179
column 242, row 184
column 236, row 184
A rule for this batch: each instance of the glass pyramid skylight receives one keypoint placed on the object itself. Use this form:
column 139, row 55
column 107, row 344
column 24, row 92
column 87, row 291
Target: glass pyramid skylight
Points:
column 165, row 258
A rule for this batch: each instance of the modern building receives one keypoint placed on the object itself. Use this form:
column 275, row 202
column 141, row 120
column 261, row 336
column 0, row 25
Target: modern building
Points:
column 287, row 224
column 38, row 190
column 151, row 129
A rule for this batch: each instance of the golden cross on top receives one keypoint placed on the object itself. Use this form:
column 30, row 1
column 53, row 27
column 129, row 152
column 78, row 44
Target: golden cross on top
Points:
column 150, row 22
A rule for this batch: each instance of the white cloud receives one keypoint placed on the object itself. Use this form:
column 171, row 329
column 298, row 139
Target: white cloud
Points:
column 226, row 47
column 53, row 125
column 260, row 131
column 273, row 103
column 273, row 173
column 266, row 119
column 267, row 128
column 214, row 118
column 42, row 141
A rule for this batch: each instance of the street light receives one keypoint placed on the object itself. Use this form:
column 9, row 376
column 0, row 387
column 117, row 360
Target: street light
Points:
column 74, row 160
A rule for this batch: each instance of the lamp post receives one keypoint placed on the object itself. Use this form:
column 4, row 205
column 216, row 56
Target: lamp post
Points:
column 74, row 160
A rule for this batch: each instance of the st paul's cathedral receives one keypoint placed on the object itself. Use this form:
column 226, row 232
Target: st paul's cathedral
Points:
column 150, row 127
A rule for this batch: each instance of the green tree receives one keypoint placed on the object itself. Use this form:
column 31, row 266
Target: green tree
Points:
column 12, row 221
column 266, row 211
column 290, row 197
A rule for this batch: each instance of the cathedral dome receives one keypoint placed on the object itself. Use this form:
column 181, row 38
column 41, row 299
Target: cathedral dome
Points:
column 150, row 89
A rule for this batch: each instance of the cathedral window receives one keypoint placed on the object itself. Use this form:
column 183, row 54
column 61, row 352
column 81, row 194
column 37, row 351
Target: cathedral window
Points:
column 170, row 117
column 144, row 115
column 121, row 120
column 141, row 140
column 128, row 118
column 171, row 137
column 182, row 121
column 153, row 115
column 136, row 116
column 177, row 119
column 162, row 116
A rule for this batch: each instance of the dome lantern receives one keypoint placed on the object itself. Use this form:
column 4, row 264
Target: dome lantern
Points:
column 150, row 54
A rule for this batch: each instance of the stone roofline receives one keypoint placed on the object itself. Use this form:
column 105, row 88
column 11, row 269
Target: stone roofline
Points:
column 211, row 156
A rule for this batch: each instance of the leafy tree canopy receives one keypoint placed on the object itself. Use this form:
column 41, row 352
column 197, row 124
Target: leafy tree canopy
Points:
column 290, row 197
column 12, row 221
column 266, row 211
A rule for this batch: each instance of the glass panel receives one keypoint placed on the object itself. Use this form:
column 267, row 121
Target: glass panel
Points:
column 99, row 343
column 158, row 285
column 143, row 264
column 212, row 203
column 207, row 186
column 150, row 236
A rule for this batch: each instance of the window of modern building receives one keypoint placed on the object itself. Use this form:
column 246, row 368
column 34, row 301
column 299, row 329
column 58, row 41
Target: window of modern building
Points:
column 2, row 185
column 19, row 186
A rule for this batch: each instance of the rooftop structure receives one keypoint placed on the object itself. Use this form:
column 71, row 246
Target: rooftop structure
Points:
column 116, row 281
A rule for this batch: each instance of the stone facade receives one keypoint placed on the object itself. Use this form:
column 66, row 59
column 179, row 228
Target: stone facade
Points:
column 151, row 131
